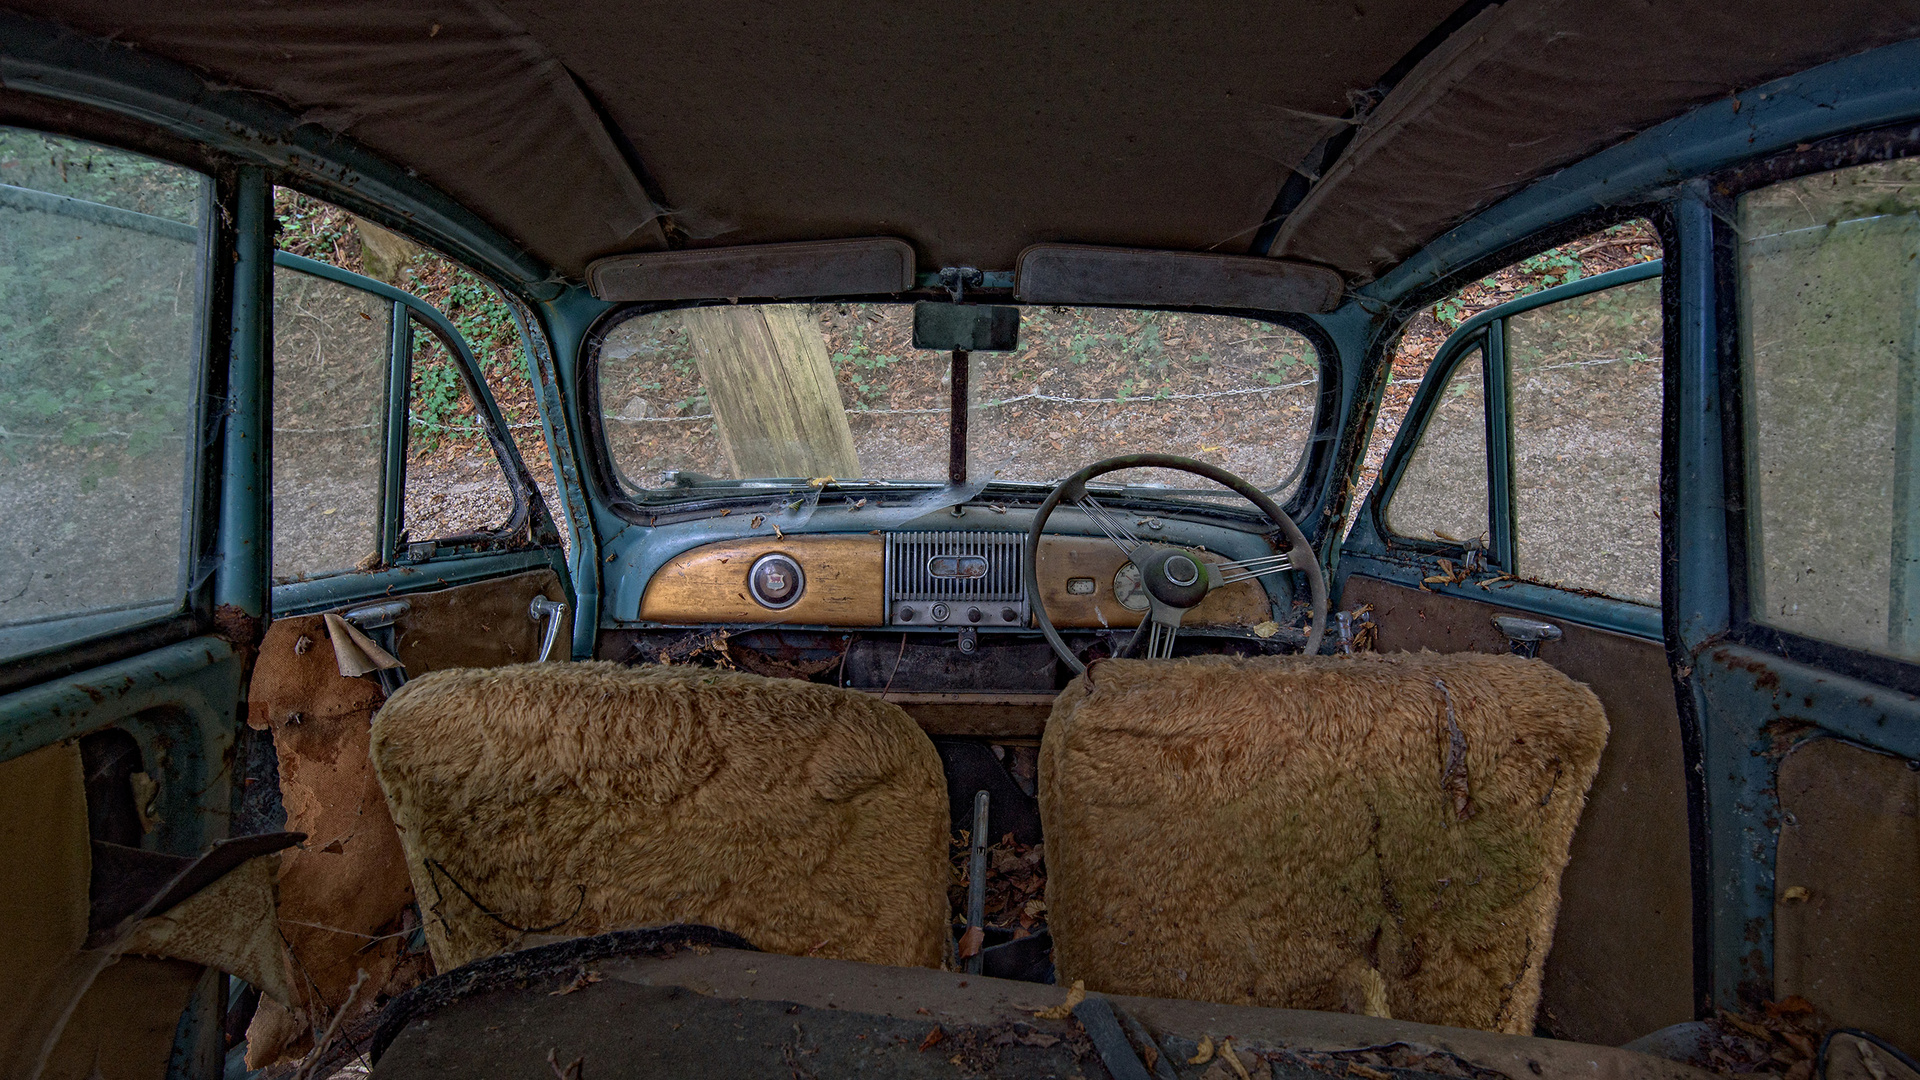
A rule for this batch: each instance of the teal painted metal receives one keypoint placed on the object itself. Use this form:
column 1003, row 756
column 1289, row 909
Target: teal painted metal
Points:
column 1727, row 874
column 180, row 703
column 1497, row 395
column 393, row 480
column 42, row 57
column 1413, row 568
column 1870, row 89
column 564, row 324
column 245, row 530
column 443, row 572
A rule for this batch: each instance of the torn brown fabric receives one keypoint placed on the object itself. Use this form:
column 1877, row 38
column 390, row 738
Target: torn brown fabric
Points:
column 1382, row 834
column 1531, row 86
column 585, row 797
column 354, row 653
column 343, row 893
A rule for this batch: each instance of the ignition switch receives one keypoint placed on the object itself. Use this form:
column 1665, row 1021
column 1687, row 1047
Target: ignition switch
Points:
column 969, row 640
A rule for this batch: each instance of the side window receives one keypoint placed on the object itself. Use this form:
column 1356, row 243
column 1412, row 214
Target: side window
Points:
column 455, row 483
column 1829, row 300
column 1563, row 484
column 331, row 349
column 382, row 448
column 1585, row 379
column 1442, row 495
column 100, row 361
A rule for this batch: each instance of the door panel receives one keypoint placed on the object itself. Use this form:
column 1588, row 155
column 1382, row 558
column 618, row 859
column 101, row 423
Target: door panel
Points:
column 344, row 897
column 1847, row 896
column 1622, row 959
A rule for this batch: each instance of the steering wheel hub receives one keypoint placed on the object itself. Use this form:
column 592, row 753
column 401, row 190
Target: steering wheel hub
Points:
column 1171, row 576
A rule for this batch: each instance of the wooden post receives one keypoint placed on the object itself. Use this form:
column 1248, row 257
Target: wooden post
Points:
column 775, row 402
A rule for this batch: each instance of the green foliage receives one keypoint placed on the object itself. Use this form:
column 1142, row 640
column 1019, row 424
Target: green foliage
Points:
column 859, row 367
column 1555, row 267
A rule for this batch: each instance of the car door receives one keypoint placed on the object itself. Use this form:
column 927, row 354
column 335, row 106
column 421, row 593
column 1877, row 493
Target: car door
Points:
column 130, row 332
column 1796, row 559
column 1519, row 510
column 387, row 565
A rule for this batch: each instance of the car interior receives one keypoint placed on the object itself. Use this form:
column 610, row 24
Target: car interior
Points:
column 1265, row 541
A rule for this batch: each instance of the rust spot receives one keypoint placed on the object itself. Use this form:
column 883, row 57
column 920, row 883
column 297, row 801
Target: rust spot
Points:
column 236, row 625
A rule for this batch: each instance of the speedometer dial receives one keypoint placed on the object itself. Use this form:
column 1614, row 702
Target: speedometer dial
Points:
column 1127, row 588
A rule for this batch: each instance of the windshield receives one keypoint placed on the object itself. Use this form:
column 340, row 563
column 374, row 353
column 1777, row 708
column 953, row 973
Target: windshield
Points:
column 734, row 393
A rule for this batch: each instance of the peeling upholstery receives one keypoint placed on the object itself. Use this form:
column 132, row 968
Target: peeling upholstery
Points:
column 1306, row 832
column 578, row 798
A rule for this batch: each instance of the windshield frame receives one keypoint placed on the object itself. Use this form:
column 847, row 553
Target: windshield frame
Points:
column 649, row 505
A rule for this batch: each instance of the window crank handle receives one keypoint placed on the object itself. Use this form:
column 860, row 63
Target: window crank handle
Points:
column 550, row 610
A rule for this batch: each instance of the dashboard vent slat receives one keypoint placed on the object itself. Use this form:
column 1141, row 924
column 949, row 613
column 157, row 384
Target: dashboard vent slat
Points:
column 956, row 578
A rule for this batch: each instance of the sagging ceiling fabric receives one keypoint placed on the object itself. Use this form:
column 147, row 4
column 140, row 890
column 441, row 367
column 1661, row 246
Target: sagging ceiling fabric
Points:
column 974, row 130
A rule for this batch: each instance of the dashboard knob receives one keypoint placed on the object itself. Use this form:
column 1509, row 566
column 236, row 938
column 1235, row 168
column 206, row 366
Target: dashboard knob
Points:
column 1007, row 614
column 973, row 614
column 906, row 614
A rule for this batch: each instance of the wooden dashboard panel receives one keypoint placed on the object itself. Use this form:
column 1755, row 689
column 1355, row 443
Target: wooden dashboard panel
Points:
column 1066, row 557
column 845, row 583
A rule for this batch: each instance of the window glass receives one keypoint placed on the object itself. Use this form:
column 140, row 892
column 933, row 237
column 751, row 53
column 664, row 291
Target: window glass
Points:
column 789, row 390
column 331, row 344
column 455, row 485
column 1442, row 494
column 1829, row 274
column 100, row 357
column 1585, row 407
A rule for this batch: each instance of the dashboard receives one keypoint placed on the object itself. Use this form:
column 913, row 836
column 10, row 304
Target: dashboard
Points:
column 954, row 579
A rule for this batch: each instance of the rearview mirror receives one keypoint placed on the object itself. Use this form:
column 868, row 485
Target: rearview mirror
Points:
column 965, row 327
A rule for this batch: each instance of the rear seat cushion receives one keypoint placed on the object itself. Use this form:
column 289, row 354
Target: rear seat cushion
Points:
column 1317, row 832
column 575, row 798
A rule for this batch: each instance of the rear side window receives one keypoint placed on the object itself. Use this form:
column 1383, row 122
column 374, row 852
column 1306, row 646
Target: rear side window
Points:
column 1829, row 292
column 100, row 358
column 1552, row 464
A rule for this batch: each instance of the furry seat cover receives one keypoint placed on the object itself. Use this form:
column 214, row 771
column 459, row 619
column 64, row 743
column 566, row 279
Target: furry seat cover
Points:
column 1317, row 832
column 575, row 798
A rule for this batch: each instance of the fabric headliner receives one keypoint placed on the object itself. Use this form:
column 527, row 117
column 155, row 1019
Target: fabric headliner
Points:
column 969, row 130
column 972, row 131
column 1531, row 86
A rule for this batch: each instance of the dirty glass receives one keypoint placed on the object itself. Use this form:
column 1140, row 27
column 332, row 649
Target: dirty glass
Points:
column 1442, row 493
column 331, row 344
column 455, row 484
column 792, row 390
column 100, row 357
column 1585, row 416
column 1829, row 275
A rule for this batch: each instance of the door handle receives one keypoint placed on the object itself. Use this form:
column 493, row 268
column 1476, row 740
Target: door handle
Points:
column 549, row 610
column 1524, row 635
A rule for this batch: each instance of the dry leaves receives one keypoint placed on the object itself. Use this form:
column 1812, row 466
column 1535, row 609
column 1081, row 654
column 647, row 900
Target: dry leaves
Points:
column 1065, row 1009
column 1204, row 1052
column 581, row 980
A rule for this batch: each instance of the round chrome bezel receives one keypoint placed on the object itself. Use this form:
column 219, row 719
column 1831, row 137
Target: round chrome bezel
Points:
column 799, row 581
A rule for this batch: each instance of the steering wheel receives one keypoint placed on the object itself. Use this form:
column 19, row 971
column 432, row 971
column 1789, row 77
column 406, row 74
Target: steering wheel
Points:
column 1174, row 578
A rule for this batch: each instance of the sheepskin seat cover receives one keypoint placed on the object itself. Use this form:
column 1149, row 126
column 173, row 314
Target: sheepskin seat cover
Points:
column 1380, row 834
column 576, row 798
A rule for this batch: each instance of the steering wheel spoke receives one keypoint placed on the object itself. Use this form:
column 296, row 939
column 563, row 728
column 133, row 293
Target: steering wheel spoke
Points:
column 1222, row 574
column 1112, row 524
column 1163, row 626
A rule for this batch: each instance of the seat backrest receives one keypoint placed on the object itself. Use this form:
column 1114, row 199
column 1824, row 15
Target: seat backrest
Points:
column 576, row 798
column 1380, row 834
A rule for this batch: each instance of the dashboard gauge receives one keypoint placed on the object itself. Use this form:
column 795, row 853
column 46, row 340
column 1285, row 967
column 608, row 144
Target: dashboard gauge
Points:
column 1127, row 588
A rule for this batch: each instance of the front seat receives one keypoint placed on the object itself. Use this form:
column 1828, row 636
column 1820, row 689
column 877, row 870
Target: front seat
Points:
column 1379, row 834
column 577, row 798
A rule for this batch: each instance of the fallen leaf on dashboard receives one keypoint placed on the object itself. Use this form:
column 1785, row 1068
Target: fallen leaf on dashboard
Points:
column 1065, row 1009
column 1266, row 629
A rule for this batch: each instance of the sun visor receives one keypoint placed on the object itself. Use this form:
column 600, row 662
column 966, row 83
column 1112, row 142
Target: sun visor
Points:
column 1082, row 274
column 808, row 268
